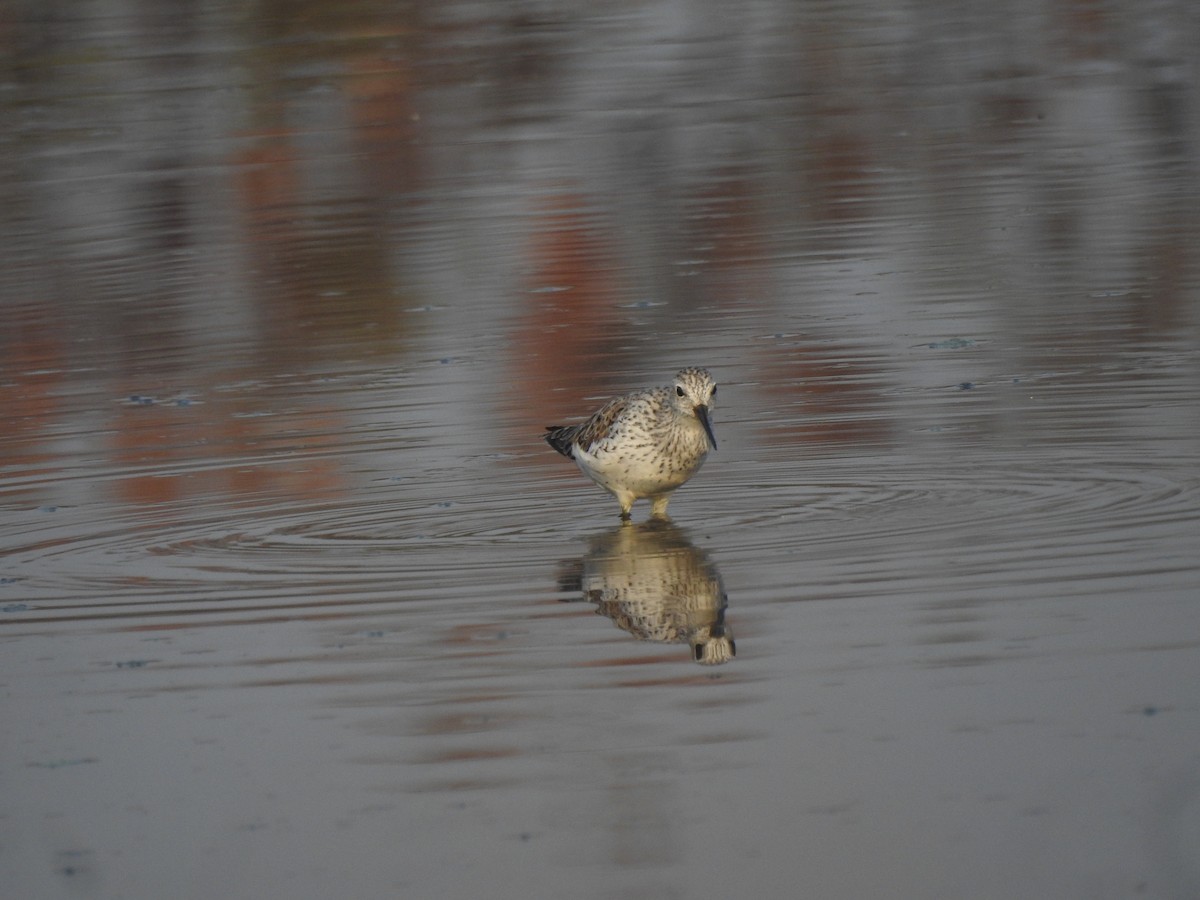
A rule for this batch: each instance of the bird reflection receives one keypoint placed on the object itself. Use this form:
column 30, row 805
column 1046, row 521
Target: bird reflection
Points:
column 654, row 583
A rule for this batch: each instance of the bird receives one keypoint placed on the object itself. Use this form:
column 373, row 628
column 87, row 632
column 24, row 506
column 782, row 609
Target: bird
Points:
column 645, row 444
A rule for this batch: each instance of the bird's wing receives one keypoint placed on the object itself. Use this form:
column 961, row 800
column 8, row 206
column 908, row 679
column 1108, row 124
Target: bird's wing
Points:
column 602, row 423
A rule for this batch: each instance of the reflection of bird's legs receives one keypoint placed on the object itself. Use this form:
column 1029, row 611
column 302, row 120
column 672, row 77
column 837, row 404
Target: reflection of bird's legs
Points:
column 658, row 506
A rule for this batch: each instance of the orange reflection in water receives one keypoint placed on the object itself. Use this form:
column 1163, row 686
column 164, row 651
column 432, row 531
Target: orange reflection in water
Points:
column 170, row 453
column 32, row 375
column 572, row 331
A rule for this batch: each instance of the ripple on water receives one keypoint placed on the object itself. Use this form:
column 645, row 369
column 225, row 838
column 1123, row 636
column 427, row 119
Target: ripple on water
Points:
column 887, row 496
column 902, row 525
column 876, row 516
column 382, row 545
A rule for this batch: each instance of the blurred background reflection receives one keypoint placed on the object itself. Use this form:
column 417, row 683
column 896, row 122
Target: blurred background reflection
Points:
column 289, row 290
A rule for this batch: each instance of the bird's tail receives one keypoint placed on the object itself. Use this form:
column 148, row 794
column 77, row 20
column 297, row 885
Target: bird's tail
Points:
column 561, row 437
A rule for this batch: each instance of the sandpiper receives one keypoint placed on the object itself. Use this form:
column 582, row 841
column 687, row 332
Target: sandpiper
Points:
column 644, row 444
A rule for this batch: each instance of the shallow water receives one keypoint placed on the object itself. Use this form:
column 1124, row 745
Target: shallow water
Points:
column 295, row 601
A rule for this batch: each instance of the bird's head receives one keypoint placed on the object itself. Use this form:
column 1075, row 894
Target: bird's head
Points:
column 692, row 394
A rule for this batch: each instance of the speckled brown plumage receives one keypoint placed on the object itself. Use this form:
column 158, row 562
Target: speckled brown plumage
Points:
column 644, row 444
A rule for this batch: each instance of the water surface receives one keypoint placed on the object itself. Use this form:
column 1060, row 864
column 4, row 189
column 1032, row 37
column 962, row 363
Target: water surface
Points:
column 295, row 602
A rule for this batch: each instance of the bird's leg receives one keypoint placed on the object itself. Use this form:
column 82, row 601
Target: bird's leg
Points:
column 658, row 506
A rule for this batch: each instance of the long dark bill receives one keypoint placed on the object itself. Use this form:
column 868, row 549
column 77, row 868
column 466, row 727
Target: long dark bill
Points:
column 702, row 415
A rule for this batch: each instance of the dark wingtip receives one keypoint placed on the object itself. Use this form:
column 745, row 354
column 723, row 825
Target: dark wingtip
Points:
column 557, row 437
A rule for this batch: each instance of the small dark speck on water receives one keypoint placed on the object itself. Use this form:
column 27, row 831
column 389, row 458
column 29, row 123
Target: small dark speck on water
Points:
column 60, row 763
column 15, row 607
column 47, row 509
column 132, row 663
column 966, row 385
column 444, row 504
column 73, row 868
column 1150, row 711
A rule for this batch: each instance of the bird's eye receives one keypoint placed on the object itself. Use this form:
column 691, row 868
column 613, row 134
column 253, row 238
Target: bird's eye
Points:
column 678, row 391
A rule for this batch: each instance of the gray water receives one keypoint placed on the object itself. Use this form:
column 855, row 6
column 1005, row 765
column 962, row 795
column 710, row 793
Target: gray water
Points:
column 295, row 602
